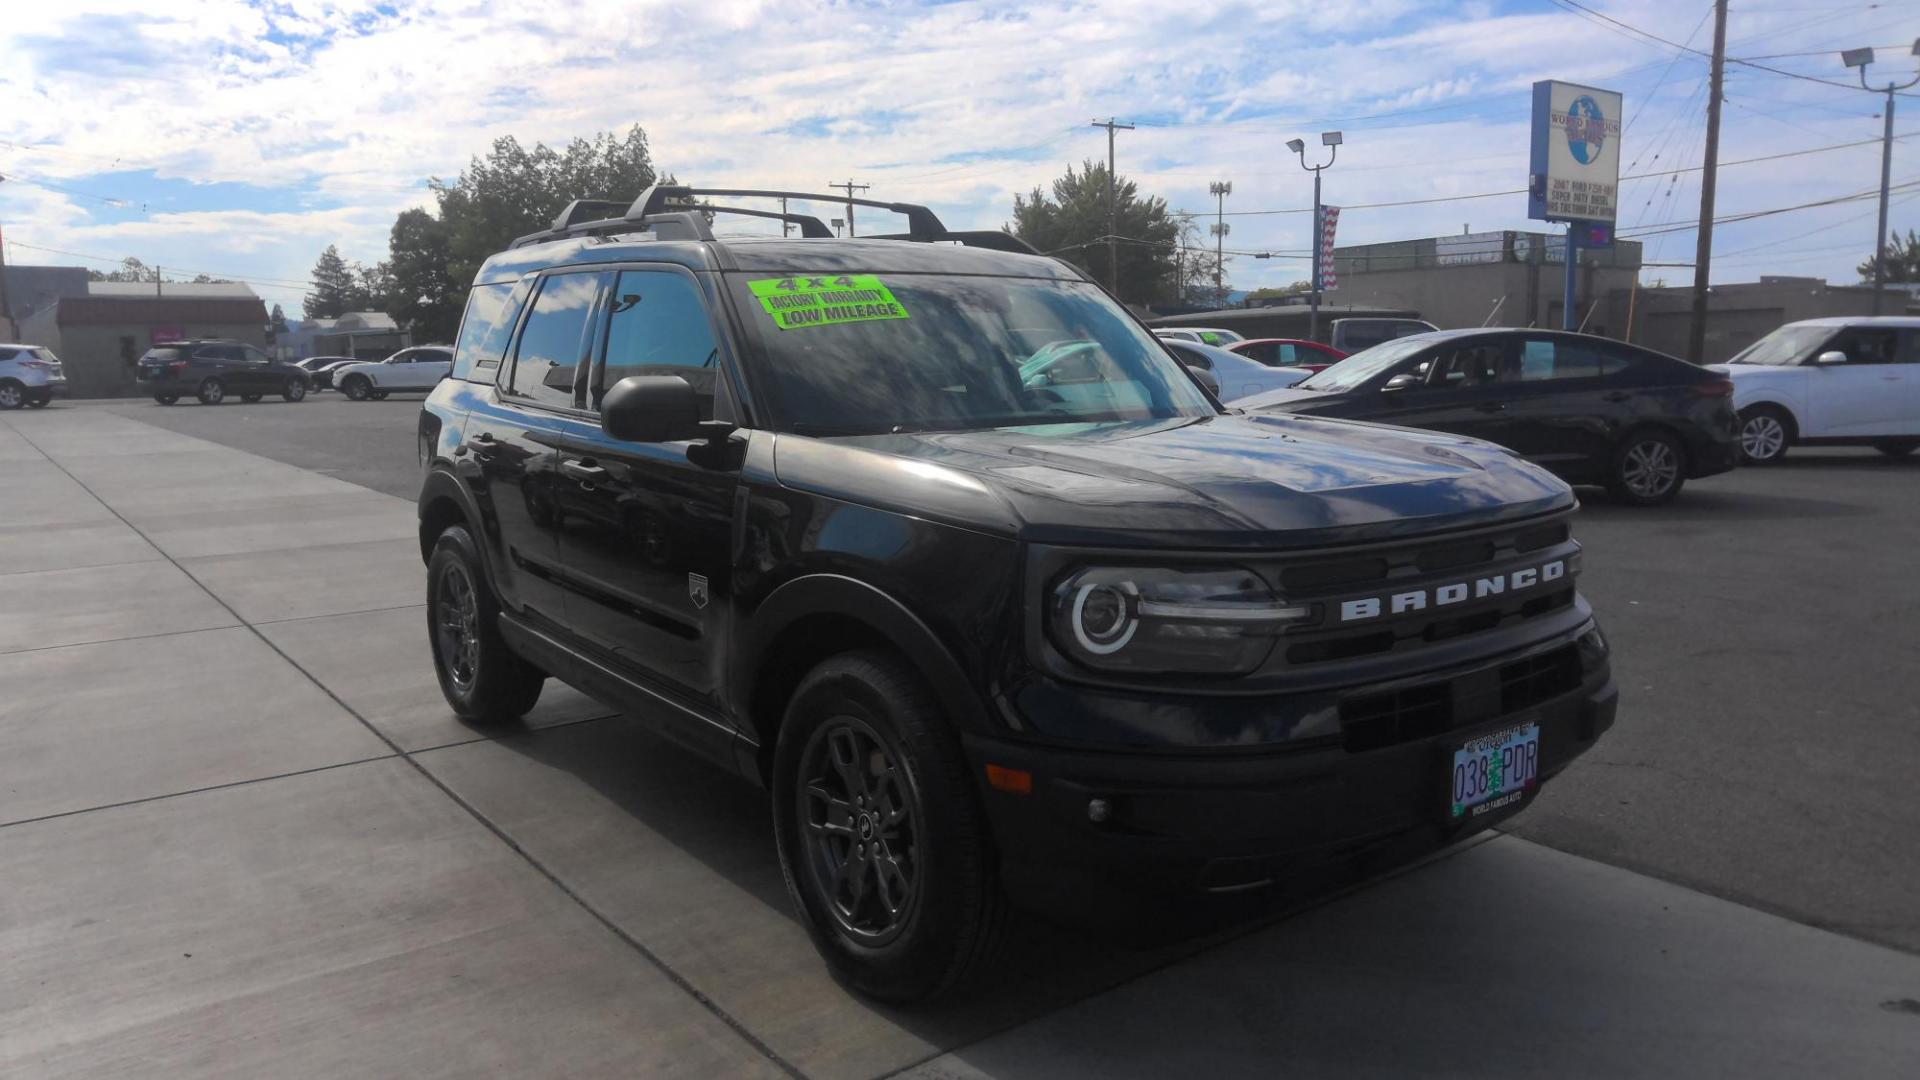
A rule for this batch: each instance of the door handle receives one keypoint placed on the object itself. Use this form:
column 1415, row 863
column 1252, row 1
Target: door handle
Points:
column 583, row 470
column 1491, row 406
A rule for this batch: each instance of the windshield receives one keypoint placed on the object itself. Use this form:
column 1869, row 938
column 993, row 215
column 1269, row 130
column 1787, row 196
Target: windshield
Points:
column 1787, row 345
column 874, row 353
column 1363, row 365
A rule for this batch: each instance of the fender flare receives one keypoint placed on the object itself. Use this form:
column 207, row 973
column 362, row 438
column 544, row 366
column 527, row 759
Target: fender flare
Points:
column 837, row 594
column 1793, row 415
column 441, row 485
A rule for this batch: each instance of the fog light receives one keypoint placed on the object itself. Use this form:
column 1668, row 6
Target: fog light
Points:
column 1098, row 810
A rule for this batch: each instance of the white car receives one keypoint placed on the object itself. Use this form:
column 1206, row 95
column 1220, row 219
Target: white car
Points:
column 30, row 375
column 1205, row 335
column 1829, row 382
column 1234, row 376
column 419, row 368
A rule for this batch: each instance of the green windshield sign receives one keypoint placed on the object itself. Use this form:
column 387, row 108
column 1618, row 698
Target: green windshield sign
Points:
column 826, row 301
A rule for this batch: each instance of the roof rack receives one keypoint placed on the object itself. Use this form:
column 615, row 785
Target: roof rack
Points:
column 674, row 211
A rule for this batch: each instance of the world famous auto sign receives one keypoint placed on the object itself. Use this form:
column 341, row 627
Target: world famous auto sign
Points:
column 1575, row 173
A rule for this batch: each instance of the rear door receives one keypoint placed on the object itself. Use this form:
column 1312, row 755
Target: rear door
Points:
column 647, row 534
column 511, row 438
column 1566, row 401
column 1866, row 395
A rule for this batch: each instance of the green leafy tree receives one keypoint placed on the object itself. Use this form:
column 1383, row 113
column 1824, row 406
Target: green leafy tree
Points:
column 131, row 269
column 1270, row 292
column 335, row 290
column 1902, row 258
column 373, row 287
column 424, row 296
column 1156, row 249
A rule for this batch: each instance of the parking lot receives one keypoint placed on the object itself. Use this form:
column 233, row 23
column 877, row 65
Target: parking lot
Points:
column 244, row 837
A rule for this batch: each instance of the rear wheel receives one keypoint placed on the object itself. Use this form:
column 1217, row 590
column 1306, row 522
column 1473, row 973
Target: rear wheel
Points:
column 166, row 399
column 12, row 394
column 482, row 679
column 1898, row 447
column 378, row 395
column 295, row 390
column 1765, row 434
column 882, row 839
column 356, row 387
column 211, row 392
column 1648, row 469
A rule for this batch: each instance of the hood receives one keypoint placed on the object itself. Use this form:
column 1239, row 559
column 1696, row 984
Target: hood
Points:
column 1289, row 399
column 1264, row 481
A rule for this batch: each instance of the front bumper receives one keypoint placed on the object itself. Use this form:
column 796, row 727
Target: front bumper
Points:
column 1258, row 820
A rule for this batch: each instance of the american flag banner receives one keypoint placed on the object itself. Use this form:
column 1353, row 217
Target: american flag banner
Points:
column 1329, row 218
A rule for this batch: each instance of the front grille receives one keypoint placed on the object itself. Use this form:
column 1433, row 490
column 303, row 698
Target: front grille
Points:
column 1372, row 721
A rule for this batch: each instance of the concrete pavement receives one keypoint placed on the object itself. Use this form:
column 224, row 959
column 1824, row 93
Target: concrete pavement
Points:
column 242, row 837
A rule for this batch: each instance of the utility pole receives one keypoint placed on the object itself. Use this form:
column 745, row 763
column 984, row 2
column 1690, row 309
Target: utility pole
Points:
column 850, row 187
column 783, row 216
column 6, row 302
column 1113, row 218
column 1860, row 58
column 1219, row 189
column 1703, row 244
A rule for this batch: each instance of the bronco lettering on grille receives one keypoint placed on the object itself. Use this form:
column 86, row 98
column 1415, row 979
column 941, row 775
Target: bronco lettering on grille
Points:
column 1456, row 592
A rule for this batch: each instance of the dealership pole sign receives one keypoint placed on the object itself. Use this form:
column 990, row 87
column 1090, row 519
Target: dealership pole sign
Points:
column 1575, row 173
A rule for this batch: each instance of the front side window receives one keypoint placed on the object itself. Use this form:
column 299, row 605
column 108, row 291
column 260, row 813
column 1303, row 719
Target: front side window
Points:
column 555, row 339
column 866, row 353
column 657, row 325
column 1864, row 345
column 1363, row 366
column 1466, row 366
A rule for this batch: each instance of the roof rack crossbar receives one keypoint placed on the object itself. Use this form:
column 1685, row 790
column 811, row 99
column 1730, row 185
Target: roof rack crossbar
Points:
column 582, row 210
column 922, row 224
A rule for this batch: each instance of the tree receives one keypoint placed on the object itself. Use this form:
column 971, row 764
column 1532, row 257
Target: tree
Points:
column 334, row 288
column 1070, row 222
column 1902, row 258
column 425, row 297
column 1294, row 289
column 373, row 287
column 131, row 269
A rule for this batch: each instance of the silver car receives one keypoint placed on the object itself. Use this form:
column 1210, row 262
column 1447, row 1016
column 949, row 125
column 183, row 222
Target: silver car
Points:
column 30, row 375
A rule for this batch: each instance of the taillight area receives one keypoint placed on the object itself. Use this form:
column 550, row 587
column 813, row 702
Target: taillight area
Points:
column 38, row 364
column 1714, row 388
column 179, row 366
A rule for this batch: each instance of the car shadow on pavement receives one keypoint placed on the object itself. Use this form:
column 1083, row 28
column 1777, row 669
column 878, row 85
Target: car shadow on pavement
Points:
column 1703, row 504
column 678, row 807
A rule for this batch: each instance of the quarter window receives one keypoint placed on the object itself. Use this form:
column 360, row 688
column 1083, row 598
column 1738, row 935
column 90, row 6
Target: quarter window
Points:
column 491, row 310
column 657, row 325
column 555, row 338
column 1542, row 359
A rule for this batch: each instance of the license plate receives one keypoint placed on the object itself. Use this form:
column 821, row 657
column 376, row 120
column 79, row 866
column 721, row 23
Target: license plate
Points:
column 1495, row 770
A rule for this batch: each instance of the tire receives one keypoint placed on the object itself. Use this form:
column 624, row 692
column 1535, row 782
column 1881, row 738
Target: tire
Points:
column 1766, row 431
column 1649, row 468
column 295, row 390
column 166, row 399
column 38, row 402
column 12, row 394
column 356, row 388
column 1895, row 448
column 948, row 911
column 211, row 392
column 251, row 399
column 378, row 395
column 482, row 679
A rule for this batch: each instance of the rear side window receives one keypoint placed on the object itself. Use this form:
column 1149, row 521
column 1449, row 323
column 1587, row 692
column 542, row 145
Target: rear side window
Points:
column 1543, row 359
column 162, row 354
column 8, row 354
column 658, row 326
column 491, row 310
column 554, row 340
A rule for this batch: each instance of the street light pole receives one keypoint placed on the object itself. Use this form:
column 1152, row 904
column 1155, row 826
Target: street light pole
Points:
column 1332, row 140
column 1860, row 58
column 1219, row 189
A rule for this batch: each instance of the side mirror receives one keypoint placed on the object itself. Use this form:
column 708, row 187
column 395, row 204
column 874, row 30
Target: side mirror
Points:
column 651, row 409
column 1403, row 381
column 1207, row 379
column 1830, row 357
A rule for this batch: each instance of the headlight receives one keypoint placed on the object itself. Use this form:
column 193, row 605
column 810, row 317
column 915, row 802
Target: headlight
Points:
column 1150, row 620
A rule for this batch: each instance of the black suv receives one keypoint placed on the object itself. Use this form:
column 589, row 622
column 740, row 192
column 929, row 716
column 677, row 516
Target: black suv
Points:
column 214, row 370
column 986, row 637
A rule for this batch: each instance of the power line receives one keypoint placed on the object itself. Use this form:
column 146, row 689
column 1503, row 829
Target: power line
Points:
column 22, row 178
column 280, row 284
column 1578, row 8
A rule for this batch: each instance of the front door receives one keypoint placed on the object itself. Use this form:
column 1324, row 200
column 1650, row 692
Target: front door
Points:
column 1447, row 388
column 1866, row 395
column 646, row 533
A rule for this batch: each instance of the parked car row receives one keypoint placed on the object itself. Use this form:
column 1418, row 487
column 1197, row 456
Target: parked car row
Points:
column 212, row 370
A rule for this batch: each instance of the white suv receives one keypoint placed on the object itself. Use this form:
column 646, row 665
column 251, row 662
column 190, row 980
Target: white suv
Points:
column 30, row 375
column 1829, row 382
column 419, row 368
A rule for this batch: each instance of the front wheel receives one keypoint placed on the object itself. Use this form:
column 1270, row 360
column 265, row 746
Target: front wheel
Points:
column 356, row 388
column 1648, row 469
column 482, row 679
column 1764, row 435
column 166, row 399
column 882, row 840
column 211, row 392
column 295, row 390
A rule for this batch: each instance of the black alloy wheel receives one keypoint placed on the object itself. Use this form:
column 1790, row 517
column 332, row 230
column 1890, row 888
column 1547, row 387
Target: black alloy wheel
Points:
column 883, row 840
column 481, row 678
column 1764, row 435
column 295, row 390
column 211, row 392
column 1648, row 469
column 356, row 387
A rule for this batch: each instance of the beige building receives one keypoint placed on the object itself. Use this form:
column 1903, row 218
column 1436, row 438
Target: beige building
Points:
column 100, row 336
column 1507, row 278
column 1739, row 314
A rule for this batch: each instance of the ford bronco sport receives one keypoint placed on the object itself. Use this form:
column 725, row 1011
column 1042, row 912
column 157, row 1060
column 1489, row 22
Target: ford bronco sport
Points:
column 988, row 638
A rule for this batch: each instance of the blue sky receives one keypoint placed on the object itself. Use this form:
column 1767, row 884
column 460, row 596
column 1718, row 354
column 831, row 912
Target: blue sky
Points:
column 242, row 138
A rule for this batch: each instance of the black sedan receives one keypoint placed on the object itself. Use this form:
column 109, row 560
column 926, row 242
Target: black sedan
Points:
column 319, row 369
column 1593, row 410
